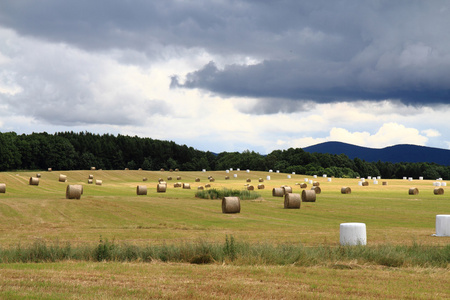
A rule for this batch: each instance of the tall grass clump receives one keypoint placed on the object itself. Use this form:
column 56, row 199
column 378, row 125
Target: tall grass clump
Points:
column 219, row 194
column 233, row 252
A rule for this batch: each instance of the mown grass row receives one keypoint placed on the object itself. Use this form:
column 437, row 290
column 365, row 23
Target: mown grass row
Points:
column 233, row 252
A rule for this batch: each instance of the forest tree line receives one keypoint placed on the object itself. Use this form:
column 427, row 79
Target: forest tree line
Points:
column 83, row 150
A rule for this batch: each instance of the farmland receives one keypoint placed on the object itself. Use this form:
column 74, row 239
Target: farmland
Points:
column 112, row 211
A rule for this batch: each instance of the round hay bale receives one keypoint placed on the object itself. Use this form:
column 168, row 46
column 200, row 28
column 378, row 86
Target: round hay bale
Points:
column 292, row 200
column 212, row 180
column 144, row 179
column 177, row 184
column 141, row 190
column 161, row 188
column 178, row 177
column 227, row 177
column 231, row 205
column 91, row 176
column 126, row 169
column 170, row 170
column 62, row 178
column 160, row 180
column 93, row 168
column 261, row 180
column 278, row 192
column 442, row 225
column 249, row 180
column 309, row 195
column 200, row 188
column 90, row 181
column 74, row 191
column 353, row 234
column 197, row 179
column 316, row 189
column 186, row 186
column 413, row 191
column 207, row 185
column 384, row 183
column 98, row 182
column 365, row 183
column 439, row 191
column 34, row 181
column 38, row 175
column 2, row 188
column 162, row 170
column 260, row 186
column 176, row 170
column 315, row 183
column 303, row 185
column 169, row 177
column 49, row 169
column 346, row 190
column 287, row 189
column 250, row 188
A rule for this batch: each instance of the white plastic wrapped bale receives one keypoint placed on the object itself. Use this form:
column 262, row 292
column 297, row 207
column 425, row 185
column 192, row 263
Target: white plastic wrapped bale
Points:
column 363, row 179
column 404, row 178
column 443, row 183
column 268, row 177
column 315, row 176
column 228, row 171
column 369, row 177
column 310, row 181
column 289, row 176
column 329, row 179
column 324, row 175
column 442, row 225
column 410, row 179
column 203, row 170
column 378, row 177
column 235, row 175
column 238, row 169
column 375, row 182
column 293, row 173
column 248, row 171
column 421, row 178
column 353, row 234
column 360, row 183
column 270, row 171
column 278, row 171
column 306, row 180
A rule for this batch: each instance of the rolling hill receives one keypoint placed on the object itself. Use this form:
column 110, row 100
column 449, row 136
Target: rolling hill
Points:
column 394, row 154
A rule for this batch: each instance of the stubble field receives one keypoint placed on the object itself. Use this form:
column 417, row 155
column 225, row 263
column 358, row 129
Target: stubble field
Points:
column 113, row 211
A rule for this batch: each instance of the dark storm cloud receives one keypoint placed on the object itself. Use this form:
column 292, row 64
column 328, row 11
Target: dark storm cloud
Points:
column 321, row 51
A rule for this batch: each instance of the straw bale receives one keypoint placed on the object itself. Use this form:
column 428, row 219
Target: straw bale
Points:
column 278, row 192
column 49, row 169
column 439, row 191
column 303, row 185
column 98, row 182
column 200, row 188
column 316, row 183
column 250, row 188
column 90, row 181
column 178, row 177
column 62, row 178
column 126, row 169
column 160, row 179
column 141, row 190
column 197, row 179
column 207, row 185
column 384, row 183
column 212, row 180
column 38, row 175
column 162, row 170
column 365, row 183
column 144, row 179
column 249, row 180
column 74, row 191
column 231, row 205
column 34, row 181
column 186, row 186
column 260, row 186
column 170, row 170
column 227, row 177
column 176, row 170
column 177, row 184
column 413, row 191
column 2, row 188
column 169, row 177
column 161, row 188
column 287, row 189
column 316, row 189
column 346, row 190
column 91, row 176
column 309, row 195
column 93, row 168
column 292, row 200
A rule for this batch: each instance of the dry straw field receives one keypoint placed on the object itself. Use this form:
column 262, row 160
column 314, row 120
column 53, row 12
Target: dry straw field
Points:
column 114, row 211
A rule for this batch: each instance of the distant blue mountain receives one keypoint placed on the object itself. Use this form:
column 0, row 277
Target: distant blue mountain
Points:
column 397, row 153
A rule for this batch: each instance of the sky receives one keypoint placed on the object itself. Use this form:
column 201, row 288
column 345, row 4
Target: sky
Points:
column 233, row 75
